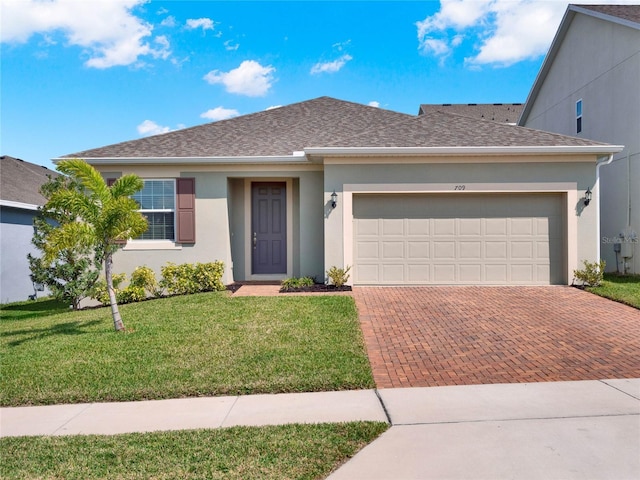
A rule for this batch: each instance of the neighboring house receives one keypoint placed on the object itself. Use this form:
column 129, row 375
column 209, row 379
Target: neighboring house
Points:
column 20, row 198
column 589, row 86
column 497, row 112
column 437, row 198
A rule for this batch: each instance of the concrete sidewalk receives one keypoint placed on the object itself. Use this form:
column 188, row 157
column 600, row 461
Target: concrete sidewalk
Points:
column 583, row 429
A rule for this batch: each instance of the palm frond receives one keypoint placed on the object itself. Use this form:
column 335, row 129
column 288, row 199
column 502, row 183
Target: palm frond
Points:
column 88, row 176
column 126, row 186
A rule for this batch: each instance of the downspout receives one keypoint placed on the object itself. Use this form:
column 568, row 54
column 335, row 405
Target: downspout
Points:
column 597, row 189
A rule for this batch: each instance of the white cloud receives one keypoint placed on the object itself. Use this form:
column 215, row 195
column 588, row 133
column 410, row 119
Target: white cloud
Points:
column 170, row 21
column 228, row 46
column 149, row 127
column 331, row 67
column 250, row 79
column 107, row 31
column 504, row 31
column 204, row 23
column 373, row 103
column 220, row 113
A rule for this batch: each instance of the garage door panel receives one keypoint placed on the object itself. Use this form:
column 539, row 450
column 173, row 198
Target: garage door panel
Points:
column 393, row 250
column 521, row 226
column 418, row 273
column 470, row 250
column 469, row 227
column 495, row 226
column 393, row 273
column 444, row 273
column 522, row 250
column 496, row 274
column 495, row 250
column 470, row 273
column 366, row 226
column 444, row 250
column 392, row 226
column 417, row 226
column 444, row 226
column 492, row 239
column 418, row 250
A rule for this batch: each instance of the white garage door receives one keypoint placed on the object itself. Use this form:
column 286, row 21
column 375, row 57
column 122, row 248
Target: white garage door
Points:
column 458, row 239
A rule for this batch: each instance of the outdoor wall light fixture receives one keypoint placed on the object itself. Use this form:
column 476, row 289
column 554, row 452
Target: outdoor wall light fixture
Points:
column 587, row 197
column 334, row 199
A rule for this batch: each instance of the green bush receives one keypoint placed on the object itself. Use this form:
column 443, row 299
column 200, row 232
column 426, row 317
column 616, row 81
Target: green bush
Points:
column 145, row 278
column 100, row 292
column 192, row 278
column 131, row 294
column 295, row 283
column 338, row 276
column 592, row 274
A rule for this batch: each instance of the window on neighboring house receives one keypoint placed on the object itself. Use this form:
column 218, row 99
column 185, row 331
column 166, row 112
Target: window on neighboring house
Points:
column 157, row 202
column 579, row 116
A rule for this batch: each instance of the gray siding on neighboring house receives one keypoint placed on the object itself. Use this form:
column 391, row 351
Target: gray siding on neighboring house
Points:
column 16, row 231
column 598, row 62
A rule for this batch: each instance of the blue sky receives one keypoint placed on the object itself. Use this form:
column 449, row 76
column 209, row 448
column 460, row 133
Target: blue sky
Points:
column 80, row 74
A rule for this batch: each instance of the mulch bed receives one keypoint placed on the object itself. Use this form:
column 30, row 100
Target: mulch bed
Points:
column 318, row 288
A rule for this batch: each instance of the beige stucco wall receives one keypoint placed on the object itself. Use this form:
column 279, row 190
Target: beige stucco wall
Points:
column 570, row 177
column 221, row 211
column 599, row 62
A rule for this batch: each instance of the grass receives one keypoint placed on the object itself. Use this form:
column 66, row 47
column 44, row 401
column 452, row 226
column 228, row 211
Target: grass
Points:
column 280, row 452
column 194, row 345
column 621, row 288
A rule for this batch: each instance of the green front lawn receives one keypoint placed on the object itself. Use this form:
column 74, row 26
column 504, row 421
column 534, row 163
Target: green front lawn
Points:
column 193, row 345
column 621, row 288
column 281, row 452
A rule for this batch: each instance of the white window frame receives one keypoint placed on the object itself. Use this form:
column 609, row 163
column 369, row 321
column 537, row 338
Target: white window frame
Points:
column 162, row 210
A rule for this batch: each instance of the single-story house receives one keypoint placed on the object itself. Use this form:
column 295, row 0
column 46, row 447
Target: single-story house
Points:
column 436, row 198
column 20, row 198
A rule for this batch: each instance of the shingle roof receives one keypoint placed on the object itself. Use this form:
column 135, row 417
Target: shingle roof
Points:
column 275, row 132
column 20, row 181
column 630, row 13
column 444, row 129
column 498, row 112
column 327, row 122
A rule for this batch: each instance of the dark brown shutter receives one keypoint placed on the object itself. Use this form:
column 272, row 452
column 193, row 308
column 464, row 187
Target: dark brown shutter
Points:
column 110, row 182
column 186, row 210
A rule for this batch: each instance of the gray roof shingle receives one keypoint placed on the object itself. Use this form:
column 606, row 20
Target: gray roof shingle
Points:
column 275, row 132
column 630, row 13
column 497, row 112
column 20, row 181
column 327, row 122
column 444, row 129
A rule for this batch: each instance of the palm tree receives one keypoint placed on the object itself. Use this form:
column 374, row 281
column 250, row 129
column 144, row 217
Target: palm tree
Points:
column 105, row 216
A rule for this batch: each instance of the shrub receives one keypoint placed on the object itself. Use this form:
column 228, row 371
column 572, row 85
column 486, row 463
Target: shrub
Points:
column 192, row 278
column 338, row 276
column 145, row 278
column 592, row 274
column 100, row 292
column 294, row 283
column 131, row 294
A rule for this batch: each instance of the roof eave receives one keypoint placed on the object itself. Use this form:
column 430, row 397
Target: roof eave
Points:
column 20, row 205
column 296, row 158
column 456, row 151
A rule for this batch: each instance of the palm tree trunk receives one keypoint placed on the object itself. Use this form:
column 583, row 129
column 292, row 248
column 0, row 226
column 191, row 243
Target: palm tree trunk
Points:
column 115, row 312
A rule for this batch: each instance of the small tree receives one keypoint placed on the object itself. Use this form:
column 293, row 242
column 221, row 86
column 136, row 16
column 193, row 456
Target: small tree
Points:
column 71, row 275
column 103, row 216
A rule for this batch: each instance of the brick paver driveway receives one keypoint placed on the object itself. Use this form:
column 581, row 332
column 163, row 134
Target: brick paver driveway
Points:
column 430, row 336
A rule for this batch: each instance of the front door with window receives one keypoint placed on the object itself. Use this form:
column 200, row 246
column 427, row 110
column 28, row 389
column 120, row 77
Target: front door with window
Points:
column 268, row 228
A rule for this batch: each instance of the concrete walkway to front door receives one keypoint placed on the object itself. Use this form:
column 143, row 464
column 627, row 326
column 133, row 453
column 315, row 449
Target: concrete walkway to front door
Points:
column 441, row 336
